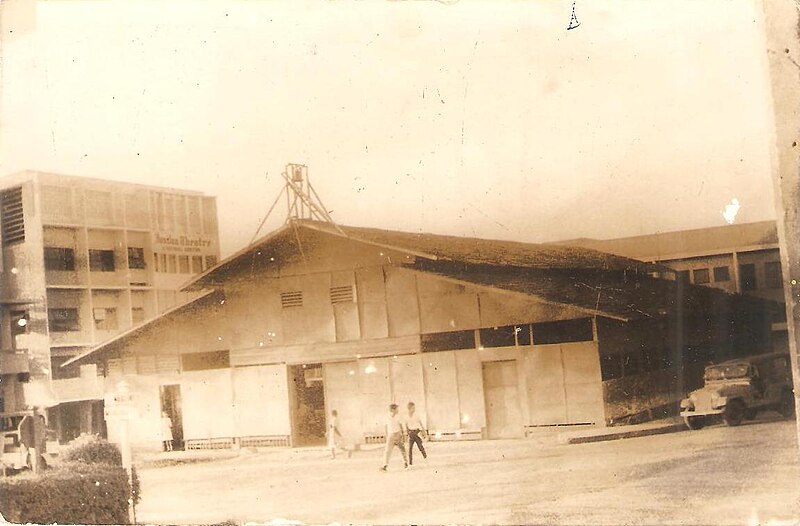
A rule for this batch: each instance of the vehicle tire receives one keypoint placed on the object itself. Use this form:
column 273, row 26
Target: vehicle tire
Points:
column 786, row 409
column 750, row 413
column 695, row 422
column 734, row 412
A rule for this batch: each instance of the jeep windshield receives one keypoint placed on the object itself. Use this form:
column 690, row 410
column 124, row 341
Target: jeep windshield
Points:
column 727, row 372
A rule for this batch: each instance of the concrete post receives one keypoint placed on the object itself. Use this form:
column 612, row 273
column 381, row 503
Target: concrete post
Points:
column 782, row 32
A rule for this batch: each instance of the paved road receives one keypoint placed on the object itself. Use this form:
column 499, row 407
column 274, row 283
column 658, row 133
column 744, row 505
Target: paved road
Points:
column 720, row 475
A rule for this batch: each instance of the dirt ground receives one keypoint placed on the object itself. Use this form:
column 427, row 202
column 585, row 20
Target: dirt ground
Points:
column 719, row 475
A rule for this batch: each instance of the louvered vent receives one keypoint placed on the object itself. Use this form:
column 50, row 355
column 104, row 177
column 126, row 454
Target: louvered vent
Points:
column 342, row 294
column 291, row 299
column 11, row 217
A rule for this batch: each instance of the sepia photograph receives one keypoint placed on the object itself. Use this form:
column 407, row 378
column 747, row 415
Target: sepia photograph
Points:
column 399, row 262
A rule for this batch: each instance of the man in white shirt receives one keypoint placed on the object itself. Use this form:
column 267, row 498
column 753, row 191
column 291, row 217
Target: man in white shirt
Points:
column 395, row 432
column 415, row 429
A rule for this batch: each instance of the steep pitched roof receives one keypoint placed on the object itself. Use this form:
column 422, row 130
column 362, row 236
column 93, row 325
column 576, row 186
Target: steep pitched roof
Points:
column 436, row 247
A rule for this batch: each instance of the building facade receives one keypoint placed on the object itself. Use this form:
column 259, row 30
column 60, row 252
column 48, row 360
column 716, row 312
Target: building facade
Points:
column 489, row 338
column 83, row 260
column 740, row 258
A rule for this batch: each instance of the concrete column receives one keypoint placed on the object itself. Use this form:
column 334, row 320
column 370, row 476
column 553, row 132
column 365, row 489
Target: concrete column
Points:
column 736, row 282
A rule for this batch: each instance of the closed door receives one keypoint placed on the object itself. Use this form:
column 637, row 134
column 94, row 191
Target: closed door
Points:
column 503, row 418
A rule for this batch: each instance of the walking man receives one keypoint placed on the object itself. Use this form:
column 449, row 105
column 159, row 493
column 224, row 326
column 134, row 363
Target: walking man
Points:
column 394, row 437
column 415, row 429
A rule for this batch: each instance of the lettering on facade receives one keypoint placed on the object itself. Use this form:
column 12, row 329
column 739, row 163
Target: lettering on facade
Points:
column 173, row 243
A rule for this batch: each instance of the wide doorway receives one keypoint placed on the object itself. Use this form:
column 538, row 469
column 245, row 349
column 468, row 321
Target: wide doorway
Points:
column 308, row 404
column 171, row 405
column 503, row 417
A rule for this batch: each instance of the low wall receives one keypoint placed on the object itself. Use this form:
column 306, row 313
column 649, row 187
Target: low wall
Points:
column 649, row 395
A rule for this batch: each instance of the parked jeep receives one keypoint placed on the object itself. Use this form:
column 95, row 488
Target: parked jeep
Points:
column 738, row 389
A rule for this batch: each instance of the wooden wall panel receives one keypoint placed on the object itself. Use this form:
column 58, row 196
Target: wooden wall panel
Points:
column 207, row 403
column 441, row 390
column 342, row 393
column 401, row 301
column 375, row 389
column 470, row 390
column 451, row 312
column 260, row 401
column 407, row 383
column 371, row 292
column 583, row 383
column 545, row 378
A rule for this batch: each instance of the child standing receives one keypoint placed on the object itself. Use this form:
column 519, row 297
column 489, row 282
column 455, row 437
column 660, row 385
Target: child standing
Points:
column 415, row 429
column 166, row 431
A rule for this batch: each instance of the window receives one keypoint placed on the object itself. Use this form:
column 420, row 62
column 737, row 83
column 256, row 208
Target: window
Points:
column 682, row 276
column 291, row 299
column 137, row 315
column 12, row 218
column 722, row 273
column 156, row 267
column 183, row 264
column 101, row 260
column 105, row 319
column 211, row 261
column 63, row 320
column 162, row 262
column 498, row 336
column 747, row 276
column 772, row 275
column 447, row 341
column 172, row 264
column 61, row 373
column 59, row 258
column 197, row 264
column 205, row 360
column 566, row 331
column 136, row 258
column 701, row 276
column 342, row 294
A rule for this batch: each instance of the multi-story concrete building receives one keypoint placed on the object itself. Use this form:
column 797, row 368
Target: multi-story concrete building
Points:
column 743, row 258
column 83, row 260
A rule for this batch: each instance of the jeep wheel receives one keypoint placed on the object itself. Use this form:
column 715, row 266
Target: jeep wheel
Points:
column 786, row 408
column 734, row 412
column 695, row 422
column 751, row 413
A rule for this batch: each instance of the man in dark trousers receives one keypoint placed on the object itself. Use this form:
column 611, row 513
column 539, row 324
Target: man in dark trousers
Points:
column 32, row 439
column 415, row 429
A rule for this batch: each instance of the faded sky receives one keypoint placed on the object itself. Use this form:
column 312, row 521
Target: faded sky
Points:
column 474, row 118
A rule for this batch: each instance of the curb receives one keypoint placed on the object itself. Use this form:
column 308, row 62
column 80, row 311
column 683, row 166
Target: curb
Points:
column 672, row 428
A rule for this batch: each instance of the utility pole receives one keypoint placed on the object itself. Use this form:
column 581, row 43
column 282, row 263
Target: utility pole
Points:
column 782, row 33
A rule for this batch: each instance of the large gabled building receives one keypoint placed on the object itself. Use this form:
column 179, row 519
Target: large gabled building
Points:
column 81, row 261
column 489, row 338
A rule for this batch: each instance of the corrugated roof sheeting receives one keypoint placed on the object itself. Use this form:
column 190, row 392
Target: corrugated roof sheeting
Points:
column 430, row 246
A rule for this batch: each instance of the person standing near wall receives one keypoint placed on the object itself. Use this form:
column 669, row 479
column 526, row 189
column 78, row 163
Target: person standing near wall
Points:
column 166, row 431
column 415, row 429
column 333, row 432
column 32, row 439
column 395, row 432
